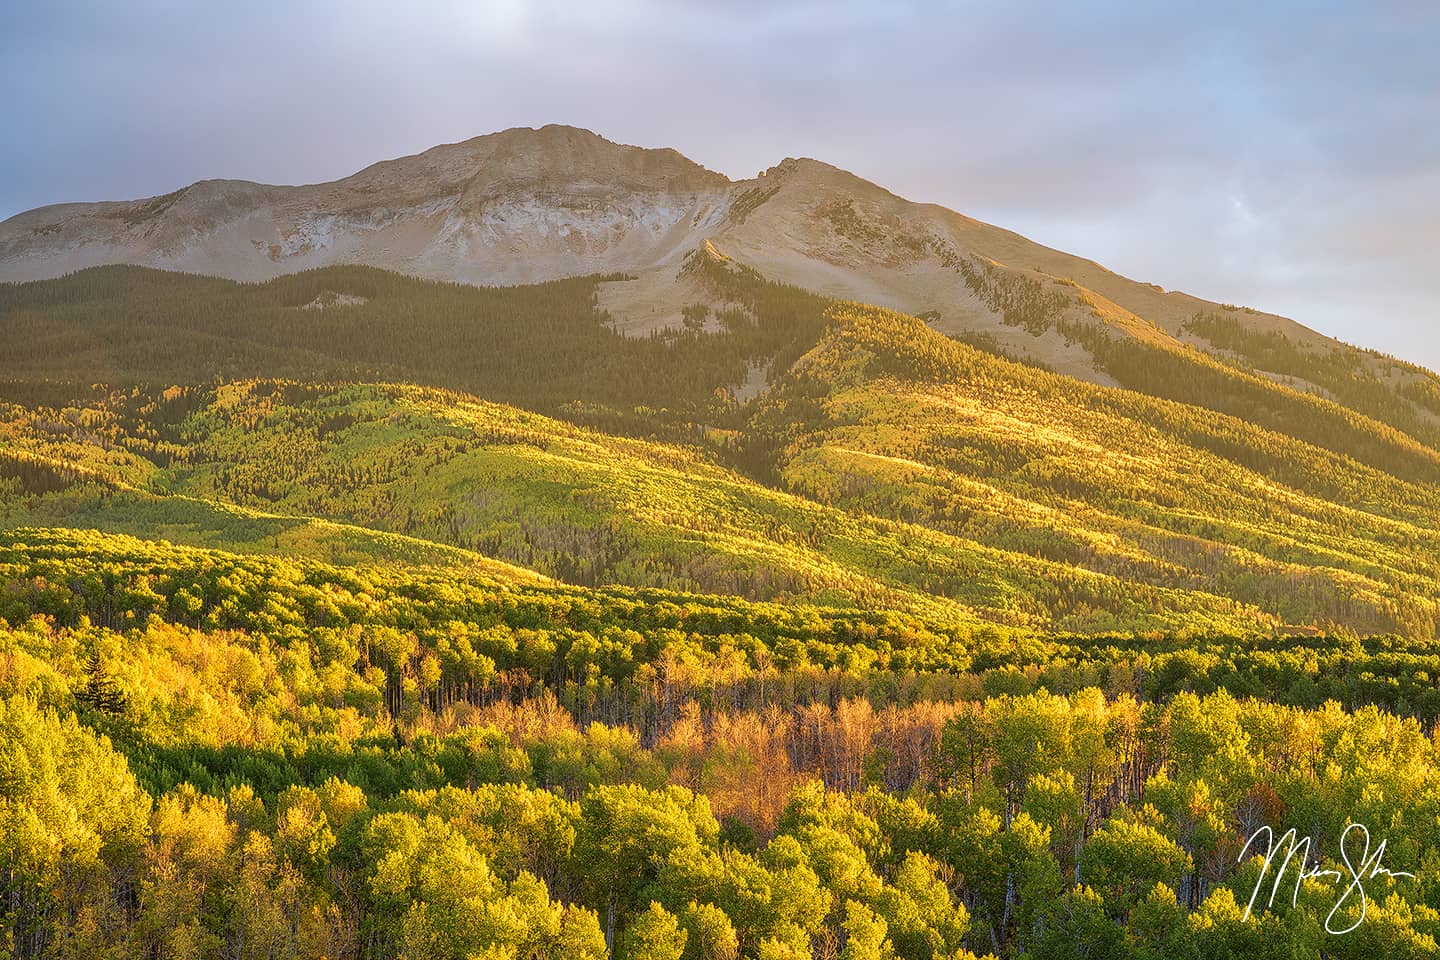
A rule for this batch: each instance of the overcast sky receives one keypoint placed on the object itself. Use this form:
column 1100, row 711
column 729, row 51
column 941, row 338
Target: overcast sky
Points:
column 1284, row 155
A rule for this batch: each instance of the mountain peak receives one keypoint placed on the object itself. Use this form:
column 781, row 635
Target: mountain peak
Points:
column 552, row 157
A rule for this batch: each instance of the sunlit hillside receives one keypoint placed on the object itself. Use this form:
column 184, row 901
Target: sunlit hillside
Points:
column 882, row 464
column 581, row 506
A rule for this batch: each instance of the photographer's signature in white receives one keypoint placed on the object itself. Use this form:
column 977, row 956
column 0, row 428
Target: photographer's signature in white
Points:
column 1368, row 867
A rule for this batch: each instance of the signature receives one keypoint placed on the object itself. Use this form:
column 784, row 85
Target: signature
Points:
column 1369, row 866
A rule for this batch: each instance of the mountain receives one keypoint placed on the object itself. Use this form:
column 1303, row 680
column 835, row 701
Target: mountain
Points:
column 512, row 207
column 526, row 205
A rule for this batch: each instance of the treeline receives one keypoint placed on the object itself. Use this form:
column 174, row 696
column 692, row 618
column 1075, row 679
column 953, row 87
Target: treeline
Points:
column 1116, row 510
column 1345, row 374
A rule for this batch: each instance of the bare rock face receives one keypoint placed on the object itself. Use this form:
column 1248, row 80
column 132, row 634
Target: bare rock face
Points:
column 528, row 205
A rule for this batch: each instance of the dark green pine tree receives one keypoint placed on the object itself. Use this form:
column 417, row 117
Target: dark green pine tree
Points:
column 101, row 693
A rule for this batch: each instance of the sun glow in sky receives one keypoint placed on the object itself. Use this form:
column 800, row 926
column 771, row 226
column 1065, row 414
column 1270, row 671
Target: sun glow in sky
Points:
column 1285, row 156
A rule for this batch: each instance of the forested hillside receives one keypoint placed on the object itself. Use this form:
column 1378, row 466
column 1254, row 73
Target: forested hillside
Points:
column 543, row 346
column 354, row 616
column 885, row 464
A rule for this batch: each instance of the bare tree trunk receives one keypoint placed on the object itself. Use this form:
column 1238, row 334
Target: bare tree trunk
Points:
column 610, row 925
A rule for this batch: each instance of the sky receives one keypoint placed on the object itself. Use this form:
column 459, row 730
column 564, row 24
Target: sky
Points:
column 1283, row 155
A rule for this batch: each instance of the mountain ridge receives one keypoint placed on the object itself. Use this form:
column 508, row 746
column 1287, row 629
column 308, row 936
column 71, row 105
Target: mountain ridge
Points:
column 528, row 205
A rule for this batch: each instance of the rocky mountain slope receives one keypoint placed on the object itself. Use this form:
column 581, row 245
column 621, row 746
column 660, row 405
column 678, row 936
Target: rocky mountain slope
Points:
column 529, row 205
column 512, row 207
